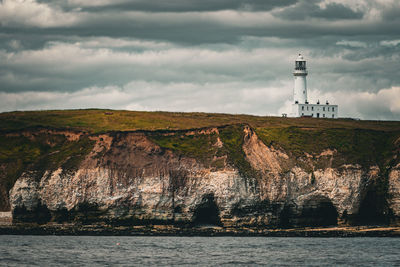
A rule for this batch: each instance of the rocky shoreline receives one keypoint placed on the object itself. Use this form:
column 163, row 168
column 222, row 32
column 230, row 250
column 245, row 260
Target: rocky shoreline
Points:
column 170, row 230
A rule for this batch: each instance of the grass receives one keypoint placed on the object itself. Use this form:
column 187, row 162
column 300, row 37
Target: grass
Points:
column 66, row 154
column 16, row 153
column 232, row 139
column 39, row 153
column 199, row 146
column 19, row 148
column 363, row 146
column 203, row 148
column 98, row 121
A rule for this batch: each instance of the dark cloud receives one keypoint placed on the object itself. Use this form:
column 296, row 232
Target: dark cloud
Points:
column 310, row 9
column 391, row 13
column 337, row 11
column 177, row 5
column 192, row 30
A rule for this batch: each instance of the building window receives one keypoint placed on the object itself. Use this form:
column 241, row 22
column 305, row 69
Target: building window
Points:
column 323, row 108
column 302, row 107
column 333, row 109
column 312, row 114
column 328, row 108
column 312, row 108
column 323, row 115
column 302, row 114
column 333, row 116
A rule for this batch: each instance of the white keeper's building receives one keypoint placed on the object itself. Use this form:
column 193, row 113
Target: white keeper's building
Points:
column 301, row 106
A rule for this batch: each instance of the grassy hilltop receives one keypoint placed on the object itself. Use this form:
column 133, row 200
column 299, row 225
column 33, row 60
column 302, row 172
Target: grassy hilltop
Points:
column 98, row 120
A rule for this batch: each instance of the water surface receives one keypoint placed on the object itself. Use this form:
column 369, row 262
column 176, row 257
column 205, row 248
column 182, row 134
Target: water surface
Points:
column 206, row 251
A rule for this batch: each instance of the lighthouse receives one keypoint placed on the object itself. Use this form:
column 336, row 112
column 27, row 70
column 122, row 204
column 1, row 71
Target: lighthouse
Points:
column 300, row 82
column 301, row 107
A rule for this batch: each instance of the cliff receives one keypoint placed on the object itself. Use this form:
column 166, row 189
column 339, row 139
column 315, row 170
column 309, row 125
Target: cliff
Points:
column 253, row 172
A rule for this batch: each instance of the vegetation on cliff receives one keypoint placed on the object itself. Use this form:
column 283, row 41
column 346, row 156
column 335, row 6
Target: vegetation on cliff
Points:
column 197, row 145
column 37, row 152
column 357, row 146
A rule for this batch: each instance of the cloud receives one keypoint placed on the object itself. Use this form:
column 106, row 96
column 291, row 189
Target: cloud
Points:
column 71, row 66
column 142, row 95
column 389, row 10
column 337, row 11
column 355, row 44
column 382, row 105
column 175, row 5
column 390, row 43
column 311, row 9
column 30, row 13
column 262, row 62
column 15, row 44
column 195, row 26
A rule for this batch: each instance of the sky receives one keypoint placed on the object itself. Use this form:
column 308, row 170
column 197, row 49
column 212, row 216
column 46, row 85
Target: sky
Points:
column 225, row 56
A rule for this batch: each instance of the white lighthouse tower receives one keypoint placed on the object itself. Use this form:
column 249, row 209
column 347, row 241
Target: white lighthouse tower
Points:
column 300, row 82
column 301, row 106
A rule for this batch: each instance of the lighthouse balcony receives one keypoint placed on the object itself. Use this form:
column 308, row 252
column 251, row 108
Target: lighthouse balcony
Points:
column 300, row 72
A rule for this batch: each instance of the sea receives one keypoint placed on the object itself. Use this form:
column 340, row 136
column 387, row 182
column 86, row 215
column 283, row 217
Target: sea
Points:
column 23, row 250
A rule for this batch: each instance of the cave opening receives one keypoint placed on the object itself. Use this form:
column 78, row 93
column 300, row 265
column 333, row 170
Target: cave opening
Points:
column 373, row 210
column 207, row 212
column 287, row 215
column 39, row 215
column 318, row 211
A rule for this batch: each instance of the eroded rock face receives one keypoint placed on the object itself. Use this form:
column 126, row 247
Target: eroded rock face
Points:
column 26, row 201
column 394, row 192
column 128, row 179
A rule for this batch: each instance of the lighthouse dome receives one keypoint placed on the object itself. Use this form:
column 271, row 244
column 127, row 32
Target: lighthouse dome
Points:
column 300, row 58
